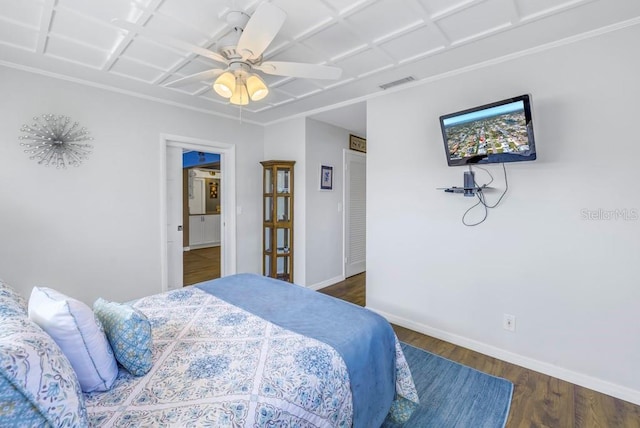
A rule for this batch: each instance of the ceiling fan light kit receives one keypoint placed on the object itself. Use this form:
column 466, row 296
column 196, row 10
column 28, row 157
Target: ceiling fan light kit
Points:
column 240, row 85
column 225, row 84
column 256, row 87
column 240, row 96
column 241, row 52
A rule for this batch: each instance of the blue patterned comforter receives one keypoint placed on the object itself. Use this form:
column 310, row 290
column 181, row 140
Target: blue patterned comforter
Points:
column 216, row 364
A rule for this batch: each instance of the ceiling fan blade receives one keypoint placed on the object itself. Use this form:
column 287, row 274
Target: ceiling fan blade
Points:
column 299, row 69
column 198, row 77
column 261, row 29
column 179, row 44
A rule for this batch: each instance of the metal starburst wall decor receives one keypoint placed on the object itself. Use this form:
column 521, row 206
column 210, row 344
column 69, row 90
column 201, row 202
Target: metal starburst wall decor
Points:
column 53, row 140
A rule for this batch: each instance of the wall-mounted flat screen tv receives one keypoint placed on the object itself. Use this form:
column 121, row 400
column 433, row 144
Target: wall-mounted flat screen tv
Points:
column 492, row 133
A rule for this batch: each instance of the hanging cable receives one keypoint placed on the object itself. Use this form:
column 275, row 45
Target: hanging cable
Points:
column 481, row 197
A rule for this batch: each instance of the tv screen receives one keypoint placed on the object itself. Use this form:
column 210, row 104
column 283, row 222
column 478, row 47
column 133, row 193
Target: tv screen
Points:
column 493, row 133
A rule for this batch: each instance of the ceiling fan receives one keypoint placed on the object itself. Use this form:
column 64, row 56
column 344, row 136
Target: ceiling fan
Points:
column 241, row 54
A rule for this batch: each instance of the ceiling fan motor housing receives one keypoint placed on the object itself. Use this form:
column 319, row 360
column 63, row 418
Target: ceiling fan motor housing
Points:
column 237, row 20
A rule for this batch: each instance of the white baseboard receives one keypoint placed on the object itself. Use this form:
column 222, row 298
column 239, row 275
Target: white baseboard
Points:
column 206, row 245
column 326, row 283
column 605, row 387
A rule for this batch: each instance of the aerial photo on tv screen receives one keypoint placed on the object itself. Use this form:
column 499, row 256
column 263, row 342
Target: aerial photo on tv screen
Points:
column 495, row 130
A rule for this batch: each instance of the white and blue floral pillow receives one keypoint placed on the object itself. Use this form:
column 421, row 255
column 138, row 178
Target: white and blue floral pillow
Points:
column 129, row 332
column 73, row 326
column 37, row 383
column 11, row 303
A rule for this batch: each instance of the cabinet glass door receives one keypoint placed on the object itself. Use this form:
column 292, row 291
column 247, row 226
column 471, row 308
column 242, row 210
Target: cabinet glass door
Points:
column 283, row 208
column 268, row 209
column 283, row 240
column 268, row 181
column 267, row 265
column 283, row 180
column 283, row 268
column 267, row 239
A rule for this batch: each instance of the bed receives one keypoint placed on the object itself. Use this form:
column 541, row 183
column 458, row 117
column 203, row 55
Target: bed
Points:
column 246, row 350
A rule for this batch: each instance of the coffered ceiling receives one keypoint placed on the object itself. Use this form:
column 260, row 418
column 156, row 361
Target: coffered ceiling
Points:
column 374, row 42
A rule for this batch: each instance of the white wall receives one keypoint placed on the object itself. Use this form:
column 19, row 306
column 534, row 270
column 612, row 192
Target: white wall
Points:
column 573, row 284
column 317, row 221
column 95, row 230
column 325, row 145
column 286, row 141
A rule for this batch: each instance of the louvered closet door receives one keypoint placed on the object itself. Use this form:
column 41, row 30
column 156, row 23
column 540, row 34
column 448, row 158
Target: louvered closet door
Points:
column 355, row 213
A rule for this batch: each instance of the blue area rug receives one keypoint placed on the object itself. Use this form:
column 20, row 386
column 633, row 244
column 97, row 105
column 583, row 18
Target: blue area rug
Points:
column 454, row 395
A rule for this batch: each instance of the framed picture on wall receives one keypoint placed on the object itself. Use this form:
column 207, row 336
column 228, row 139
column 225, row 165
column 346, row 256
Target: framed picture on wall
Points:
column 326, row 177
column 357, row 143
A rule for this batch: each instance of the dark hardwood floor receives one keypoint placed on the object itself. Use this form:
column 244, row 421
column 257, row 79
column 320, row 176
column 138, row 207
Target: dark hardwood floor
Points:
column 201, row 265
column 538, row 400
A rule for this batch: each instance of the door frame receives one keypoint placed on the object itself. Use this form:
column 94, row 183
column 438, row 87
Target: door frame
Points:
column 227, row 199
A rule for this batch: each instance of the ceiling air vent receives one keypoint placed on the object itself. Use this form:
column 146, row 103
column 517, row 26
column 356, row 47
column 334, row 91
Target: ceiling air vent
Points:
column 398, row 82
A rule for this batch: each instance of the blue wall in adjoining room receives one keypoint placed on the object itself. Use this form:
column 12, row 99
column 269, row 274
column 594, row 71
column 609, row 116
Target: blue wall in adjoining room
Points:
column 193, row 158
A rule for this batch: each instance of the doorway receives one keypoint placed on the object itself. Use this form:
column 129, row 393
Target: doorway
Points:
column 172, row 233
column 201, row 195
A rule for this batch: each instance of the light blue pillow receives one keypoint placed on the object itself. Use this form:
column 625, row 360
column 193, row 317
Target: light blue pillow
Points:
column 129, row 332
column 38, row 385
column 73, row 326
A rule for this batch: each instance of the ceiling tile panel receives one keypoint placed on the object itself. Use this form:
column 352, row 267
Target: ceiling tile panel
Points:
column 476, row 20
column 192, row 89
column 203, row 15
column 413, row 45
column 438, row 7
column 196, row 66
column 128, row 68
column 272, row 80
column 277, row 97
column 70, row 50
column 171, row 28
column 212, row 96
column 298, row 87
column 343, row 6
column 530, row 8
column 27, row 12
column 104, row 10
column 334, row 41
column 302, row 16
column 382, row 18
column 297, row 53
column 18, row 35
column 153, row 54
column 363, row 62
column 88, row 31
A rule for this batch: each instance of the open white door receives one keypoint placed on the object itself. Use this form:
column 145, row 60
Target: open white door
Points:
column 174, row 218
column 355, row 212
column 171, row 147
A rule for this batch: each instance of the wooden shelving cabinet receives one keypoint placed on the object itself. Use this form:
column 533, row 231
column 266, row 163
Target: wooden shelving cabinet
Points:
column 277, row 219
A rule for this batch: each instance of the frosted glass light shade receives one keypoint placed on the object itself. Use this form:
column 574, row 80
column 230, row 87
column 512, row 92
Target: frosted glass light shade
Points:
column 240, row 96
column 256, row 88
column 225, row 84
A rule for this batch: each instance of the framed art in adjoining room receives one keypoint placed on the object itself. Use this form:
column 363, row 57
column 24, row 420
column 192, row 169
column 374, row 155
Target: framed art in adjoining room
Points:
column 357, row 143
column 326, row 177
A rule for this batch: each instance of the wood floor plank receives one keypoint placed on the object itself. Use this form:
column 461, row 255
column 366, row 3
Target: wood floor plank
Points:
column 201, row 265
column 539, row 401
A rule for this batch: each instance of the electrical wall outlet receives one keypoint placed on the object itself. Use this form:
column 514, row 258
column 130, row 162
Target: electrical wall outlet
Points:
column 509, row 322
